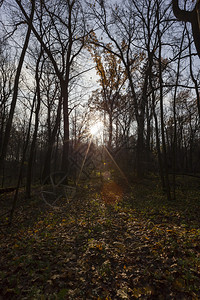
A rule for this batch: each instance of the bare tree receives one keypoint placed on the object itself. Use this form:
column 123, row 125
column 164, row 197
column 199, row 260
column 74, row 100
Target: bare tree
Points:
column 62, row 39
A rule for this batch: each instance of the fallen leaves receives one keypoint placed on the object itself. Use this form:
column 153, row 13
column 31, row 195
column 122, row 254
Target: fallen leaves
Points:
column 97, row 250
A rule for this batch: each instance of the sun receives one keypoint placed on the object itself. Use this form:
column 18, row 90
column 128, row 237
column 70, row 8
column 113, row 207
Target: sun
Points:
column 96, row 128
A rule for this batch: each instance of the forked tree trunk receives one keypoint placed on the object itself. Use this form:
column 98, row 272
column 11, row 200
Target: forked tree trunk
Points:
column 190, row 16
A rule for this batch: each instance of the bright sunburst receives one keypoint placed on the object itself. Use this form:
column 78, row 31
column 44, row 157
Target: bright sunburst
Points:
column 96, row 128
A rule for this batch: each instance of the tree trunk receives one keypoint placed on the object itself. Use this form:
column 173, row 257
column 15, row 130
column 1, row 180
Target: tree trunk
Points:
column 165, row 162
column 33, row 144
column 190, row 16
column 110, row 131
column 65, row 155
column 15, row 198
column 47, row 163
column 140, row 147
column 15, row 93
column 175, row 121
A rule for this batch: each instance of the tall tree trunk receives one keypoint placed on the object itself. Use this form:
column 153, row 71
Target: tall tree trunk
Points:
column 160, row 163
column 141, row 116
column 110, row 131
column 15, row 198
column 140, row 127
column 148, row 136
column 175, row 121
column 65, row 155
column 165, row 162
column 15, row 93
column 140, row 147
column 65, row 93
column 33, row 144
column 47, row 163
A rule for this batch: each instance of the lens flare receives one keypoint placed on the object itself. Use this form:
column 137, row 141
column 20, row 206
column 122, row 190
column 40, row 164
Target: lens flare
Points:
column 96, row 128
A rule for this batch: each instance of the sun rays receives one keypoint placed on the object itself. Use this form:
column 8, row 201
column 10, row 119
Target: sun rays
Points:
column 96, row 128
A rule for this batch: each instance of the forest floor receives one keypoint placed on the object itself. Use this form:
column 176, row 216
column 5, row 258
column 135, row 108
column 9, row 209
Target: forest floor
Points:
column 108, row 242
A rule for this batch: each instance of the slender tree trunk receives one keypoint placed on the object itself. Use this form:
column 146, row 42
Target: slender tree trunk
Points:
column 160, row 163
column 33, row 144
column 65, row 94
column 65, row 156
column 140, row 147
column 140, row 119
column 162, row 112
column 175, row 122
column 15, row 198
column 191, row 154
column 148, row 138
column 15, row 93
column 47, row 163
column 140, row 128
column 30, row 161
column 110, row 131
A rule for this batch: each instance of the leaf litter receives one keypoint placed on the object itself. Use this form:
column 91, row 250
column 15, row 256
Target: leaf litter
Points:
column 91, row 249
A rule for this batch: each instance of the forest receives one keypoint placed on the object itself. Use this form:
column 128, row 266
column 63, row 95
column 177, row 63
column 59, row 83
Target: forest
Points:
column 99, row 149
